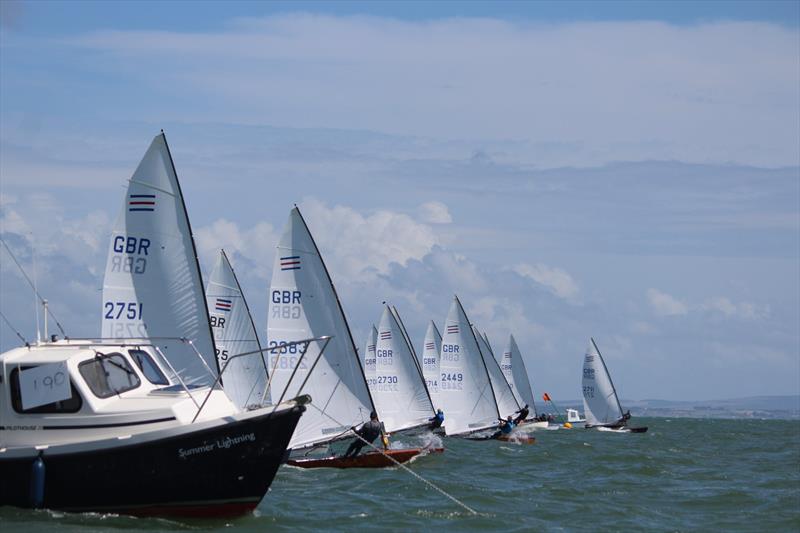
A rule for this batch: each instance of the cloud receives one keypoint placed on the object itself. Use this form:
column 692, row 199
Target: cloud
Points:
column 699, row 93
column 434, row 213
column 554, row 279
column 358, row 245
column 741, row 310
column 665, row 305
column 255, row 246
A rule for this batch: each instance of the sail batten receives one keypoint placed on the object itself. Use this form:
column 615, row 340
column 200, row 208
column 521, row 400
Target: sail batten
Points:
column 245, row 377
column 401, row 399
column 152, row 286
column 465, row 391
column 600, row 401
column 304, row 304
column 507, row 404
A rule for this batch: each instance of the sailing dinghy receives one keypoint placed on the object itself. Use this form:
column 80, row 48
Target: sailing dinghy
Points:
column 600, row 401
column 401, row 398
column 430, row 362
column 514, row 369
column 235, row 333
column 304, row 303
column 136, row 423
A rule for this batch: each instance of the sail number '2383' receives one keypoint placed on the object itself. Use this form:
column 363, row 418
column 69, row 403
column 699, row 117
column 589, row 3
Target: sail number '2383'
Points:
column 126, row 310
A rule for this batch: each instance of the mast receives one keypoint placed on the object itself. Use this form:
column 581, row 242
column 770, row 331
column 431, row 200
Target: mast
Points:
column 613, row 388
column 194, row 252
column 341, row 309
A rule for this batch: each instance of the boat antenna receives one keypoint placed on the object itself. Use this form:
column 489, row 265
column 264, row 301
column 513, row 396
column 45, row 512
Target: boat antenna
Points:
column 36, row 292
column 14, row 329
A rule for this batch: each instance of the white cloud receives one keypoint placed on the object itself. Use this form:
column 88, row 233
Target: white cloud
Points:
column 664, row 304
column 742, row 310
column 256, row 245
column 358, row 245
column 434, row 213
column 697, row 93
column 558, row 281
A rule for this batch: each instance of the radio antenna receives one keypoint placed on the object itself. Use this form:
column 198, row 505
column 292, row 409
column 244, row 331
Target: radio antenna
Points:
column 33, row 286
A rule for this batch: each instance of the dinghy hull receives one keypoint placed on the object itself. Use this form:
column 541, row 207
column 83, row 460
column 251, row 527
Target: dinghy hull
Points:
column 365, row 460
column 222, row 470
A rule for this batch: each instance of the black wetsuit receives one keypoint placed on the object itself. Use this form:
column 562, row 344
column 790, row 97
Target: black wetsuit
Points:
column 523, row 414
column 369, row 432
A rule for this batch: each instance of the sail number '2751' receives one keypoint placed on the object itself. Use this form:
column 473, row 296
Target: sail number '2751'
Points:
column 127, row 310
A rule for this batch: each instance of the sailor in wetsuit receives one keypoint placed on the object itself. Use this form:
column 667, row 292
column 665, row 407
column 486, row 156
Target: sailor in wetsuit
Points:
column 368, row 432
column 436, row 420
column 506, row 427
column 523, row 414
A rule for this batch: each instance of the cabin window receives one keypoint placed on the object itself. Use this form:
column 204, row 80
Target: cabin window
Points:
column 109, row 374
column 72, row 404
column 148, row 367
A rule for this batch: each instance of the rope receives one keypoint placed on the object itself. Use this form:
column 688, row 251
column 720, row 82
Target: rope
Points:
column 404, row 467
column 49, row 311
column 14, row 330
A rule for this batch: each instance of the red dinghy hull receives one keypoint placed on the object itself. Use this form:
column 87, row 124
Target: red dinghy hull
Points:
column 365, row 460
column 517, row 439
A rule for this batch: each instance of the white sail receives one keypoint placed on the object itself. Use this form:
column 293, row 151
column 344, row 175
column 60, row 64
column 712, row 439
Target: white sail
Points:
column 304, row 304
column 600, row 402
column 152, row 286
column 245, row 378
column 430, row 361
column 506, row 403
column 369, row 358
column 465, row 392
column 401, row 399
column 512, row 358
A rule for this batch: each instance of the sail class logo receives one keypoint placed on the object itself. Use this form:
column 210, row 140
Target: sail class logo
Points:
column 386, row 335
column 452, row 329
column 430, row 346
column 290, row 263
column 141, row 202
column 223, row 305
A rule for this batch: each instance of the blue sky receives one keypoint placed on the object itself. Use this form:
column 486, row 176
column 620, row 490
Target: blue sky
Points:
column 627, row 170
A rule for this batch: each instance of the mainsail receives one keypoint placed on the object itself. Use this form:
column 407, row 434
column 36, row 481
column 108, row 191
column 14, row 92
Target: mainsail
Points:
column 430, row 361
column 519, row 375
column 245, row 377
column 401, row 398
column 506, row 403
column 369, row 358
column 600, row 403
column 304, row 304
column 465, row 392
column 152, row 286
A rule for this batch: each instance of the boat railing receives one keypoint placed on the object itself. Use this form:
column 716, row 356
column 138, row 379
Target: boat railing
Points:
column 305, row 343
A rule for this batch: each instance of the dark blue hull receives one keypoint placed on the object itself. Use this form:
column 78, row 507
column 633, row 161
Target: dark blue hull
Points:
column 219, row 471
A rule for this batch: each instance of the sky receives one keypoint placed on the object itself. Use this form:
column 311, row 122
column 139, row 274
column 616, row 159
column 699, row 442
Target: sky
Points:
column 627, row 171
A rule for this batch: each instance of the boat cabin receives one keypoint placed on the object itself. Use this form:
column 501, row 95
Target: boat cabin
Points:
column 52, row 393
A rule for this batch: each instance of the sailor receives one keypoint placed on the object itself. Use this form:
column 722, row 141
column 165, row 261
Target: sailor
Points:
column 436, row 420
column 523, row 414
column 625, row 418
column 368, row 432
column 505, row 428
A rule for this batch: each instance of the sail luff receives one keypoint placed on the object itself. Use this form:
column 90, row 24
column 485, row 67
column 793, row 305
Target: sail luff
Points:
column 483, row 360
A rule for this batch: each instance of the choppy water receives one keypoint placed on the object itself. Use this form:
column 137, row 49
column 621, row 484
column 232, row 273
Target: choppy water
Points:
column 682, row 475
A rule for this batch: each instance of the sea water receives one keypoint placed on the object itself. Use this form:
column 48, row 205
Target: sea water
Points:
column 682, row 475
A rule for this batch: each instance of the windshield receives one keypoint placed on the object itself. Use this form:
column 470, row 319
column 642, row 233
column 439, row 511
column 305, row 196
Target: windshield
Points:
column 108, row 375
